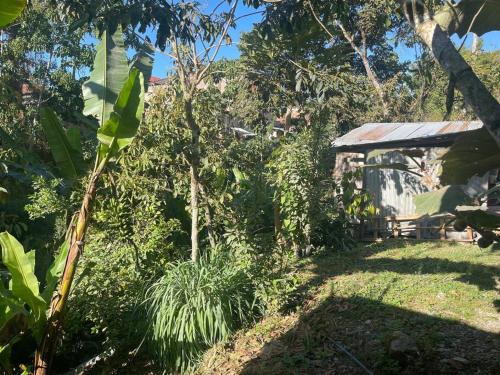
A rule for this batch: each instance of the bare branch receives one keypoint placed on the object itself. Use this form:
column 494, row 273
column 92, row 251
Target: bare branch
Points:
column 248, row 15
column 471, row 25
column 223, row 35
column 182, row 70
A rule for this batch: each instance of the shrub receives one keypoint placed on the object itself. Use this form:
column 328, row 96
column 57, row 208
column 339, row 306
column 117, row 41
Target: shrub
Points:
column 102, row 313
column 195, row 305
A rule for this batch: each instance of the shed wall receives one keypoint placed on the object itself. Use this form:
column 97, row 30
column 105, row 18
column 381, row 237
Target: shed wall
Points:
column 393, row 190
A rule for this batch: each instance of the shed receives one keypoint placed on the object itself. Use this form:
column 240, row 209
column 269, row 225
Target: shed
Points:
column 393, row 190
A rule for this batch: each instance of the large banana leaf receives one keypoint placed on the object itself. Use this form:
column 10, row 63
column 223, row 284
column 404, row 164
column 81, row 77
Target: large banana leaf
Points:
column 107, row 78
column 476, row 216
column 55, row 271
column 23, row 280
column 121, row 128
column 68, row 160
column 9, row 307
column 474, row 153
column 10, row 10
column 75, row 139
column 481, row 16
column 444, row 200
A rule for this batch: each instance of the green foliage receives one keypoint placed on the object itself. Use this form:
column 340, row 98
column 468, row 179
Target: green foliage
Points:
column 295, row 176
column 246, row 208
column 276, row 291
column 63, row 146
column 24, row 282
column 120, row 129
column 10, row 10
column 195, row 305
column 46, row 199
column 314, row 209
column 23, row 306
column 109, row 74
column 430, row 104
column 55, row 271
column 102, row 309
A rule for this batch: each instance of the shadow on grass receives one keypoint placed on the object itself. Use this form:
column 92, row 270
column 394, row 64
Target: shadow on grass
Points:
column 329, row 265
column 481, row 276
column 365, row 327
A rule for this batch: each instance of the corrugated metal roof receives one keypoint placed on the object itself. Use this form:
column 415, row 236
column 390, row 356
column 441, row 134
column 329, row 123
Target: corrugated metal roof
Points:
column 379, row 133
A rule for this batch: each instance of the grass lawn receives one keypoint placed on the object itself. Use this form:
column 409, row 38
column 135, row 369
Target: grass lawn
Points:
column 443, row 295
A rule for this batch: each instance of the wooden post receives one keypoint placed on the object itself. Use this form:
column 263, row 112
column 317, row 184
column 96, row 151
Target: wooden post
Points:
column 470, row 234
column 361, row 229
column 418, row 230
column 442, row 229
column 394, row 226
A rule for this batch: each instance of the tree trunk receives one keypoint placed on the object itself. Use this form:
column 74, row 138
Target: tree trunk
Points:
column 278, row 230
column 476, row 95
column 46, row 350
column 475, row 44
column 297, row 250
column 195, row 251
column 372, row 76
column 194, row 161
column 362, row 52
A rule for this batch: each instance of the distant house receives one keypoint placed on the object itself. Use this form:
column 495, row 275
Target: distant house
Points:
column 393, row 190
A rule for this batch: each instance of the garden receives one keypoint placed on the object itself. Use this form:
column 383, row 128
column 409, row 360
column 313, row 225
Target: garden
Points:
column 171, row 199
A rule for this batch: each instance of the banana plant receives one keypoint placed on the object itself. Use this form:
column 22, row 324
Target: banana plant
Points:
column 64, row 145
column 119, row 117
column 24, row 304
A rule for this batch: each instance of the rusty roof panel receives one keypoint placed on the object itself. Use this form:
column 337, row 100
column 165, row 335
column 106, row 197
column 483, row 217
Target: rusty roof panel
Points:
column 375, row 133
column 379, row 133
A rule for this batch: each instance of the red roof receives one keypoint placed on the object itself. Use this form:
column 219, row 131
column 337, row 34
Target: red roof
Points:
column 153, row 80
column 26, row 89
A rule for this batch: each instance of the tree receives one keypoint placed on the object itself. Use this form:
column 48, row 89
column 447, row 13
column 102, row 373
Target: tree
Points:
column 363, row 25
column 475, row 93
column 45, row 56
column 210, row 31
column 472, row 154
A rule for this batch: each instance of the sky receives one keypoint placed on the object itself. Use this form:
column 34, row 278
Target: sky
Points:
column 163, row 65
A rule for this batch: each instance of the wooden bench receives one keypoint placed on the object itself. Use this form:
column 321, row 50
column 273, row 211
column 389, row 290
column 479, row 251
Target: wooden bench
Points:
column 392, row 226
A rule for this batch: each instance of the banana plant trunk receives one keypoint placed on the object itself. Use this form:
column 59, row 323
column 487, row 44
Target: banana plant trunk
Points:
column 46, row 350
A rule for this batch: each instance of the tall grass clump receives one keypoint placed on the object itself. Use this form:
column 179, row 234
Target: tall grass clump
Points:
column 195, row 305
